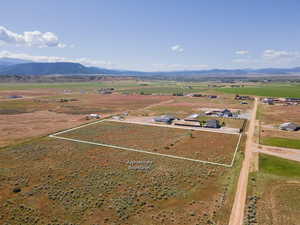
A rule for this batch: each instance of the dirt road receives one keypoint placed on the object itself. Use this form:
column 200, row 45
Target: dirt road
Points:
column 237, row 213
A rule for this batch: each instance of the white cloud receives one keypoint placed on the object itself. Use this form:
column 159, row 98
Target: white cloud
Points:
column 30, row 38
column 177, row 48
column 84, row 61
column 242, row 60
column 242, row 52
column 271, row 54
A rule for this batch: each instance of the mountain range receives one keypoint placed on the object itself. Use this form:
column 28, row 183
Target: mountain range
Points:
column 23, row 67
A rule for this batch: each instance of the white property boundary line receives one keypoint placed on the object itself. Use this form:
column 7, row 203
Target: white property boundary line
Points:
column 137, row 150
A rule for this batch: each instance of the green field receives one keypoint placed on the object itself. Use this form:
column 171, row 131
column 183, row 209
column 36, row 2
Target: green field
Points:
column 292, row 91
column 278, row 166
column 281, row 142
column 79, row 85
column 132, row 86
column 165, row 90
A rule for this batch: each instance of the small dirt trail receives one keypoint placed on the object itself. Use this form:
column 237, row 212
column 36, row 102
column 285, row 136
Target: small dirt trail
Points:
column 237, row 213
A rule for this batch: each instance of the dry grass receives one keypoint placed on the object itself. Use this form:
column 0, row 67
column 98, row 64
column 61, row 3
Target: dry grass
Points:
column 208, row 146
column 69, row 183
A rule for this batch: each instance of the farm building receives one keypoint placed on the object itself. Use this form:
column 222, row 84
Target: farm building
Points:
column 15, row 96
column 164, row 119
column 292, row 99
column 93, row 116
column 197, row 95
column 105, row 92
column 212, row 112
column 227, row 113
column 192, row 117
column 118, row 118
column 241, row 97
column 187, row 123
column 212, row 124
column 220, row 113
column 269, row 101
column 289, row 126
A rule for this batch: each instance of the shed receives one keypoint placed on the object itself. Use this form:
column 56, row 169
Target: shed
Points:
column 93, row 116
column 165, row 119
column 212, row 124
column 187, row 123
column 289, row 126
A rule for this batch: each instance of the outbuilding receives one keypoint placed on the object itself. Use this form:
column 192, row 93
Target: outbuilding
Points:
column 289, row 126
column 93, row 116
column 212, row 124
column 165, row 119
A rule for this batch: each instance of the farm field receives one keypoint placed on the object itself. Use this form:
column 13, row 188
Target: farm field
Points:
column 201, row 145
column 49, row 181
column 270, row 90
column 273, row 193
column 70, row 85
column 165, row 90
column 128, row 85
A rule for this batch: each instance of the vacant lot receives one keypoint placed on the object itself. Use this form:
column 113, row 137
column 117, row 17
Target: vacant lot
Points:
column 50, row 181
column 42, row 112
column 277, row 114
column 16, row 128
column 274, row 191
column 81, row 104
column 208, row 146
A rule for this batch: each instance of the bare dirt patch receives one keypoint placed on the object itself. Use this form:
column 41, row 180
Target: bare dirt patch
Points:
column 27, row 125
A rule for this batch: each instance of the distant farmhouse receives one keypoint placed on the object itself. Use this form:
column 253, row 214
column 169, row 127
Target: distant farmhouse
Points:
column 220, row 113
column 15, row 96
column 288, row 101
column 269, row 101
column 289, row 126
column 165, row 119
column 93, row 116
column 105, row 91
column 240, row 97
column 226, row 113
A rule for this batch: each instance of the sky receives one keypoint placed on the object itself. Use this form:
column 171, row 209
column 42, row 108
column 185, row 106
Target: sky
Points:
column 156, row 35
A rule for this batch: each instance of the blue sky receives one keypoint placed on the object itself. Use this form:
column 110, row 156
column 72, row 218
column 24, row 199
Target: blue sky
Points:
column 154, row 35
